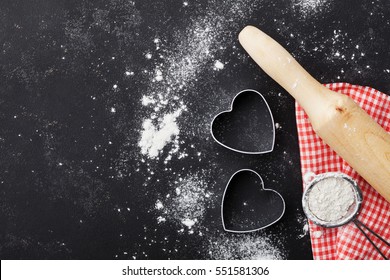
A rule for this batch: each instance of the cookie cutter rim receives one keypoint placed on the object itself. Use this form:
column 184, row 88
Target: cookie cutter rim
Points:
column 263, row 188
column 310, row 183
column 230, row 110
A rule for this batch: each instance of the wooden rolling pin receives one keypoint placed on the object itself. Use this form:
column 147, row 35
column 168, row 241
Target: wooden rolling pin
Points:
column 335, row 117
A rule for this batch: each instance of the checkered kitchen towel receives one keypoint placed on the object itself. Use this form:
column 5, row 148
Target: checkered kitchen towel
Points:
column 347, row 242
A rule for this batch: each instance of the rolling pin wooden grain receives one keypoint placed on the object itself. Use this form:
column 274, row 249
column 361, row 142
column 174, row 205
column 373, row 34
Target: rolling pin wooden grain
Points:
column 335, row 117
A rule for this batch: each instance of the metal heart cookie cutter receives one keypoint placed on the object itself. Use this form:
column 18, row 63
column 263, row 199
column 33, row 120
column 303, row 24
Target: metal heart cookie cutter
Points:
column 247, row 206
column 334, row 199
column 248, row 127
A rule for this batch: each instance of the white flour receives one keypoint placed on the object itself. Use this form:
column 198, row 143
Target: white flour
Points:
column 218, row 65
column 310, row 7
column 302, row 220
column 154, row 137
column 317, row 234
column 244, row 247
column 186, row 206
column 173, row 68
column 330, row 199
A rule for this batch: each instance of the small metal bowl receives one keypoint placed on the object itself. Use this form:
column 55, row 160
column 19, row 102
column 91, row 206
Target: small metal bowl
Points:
column 311, row 179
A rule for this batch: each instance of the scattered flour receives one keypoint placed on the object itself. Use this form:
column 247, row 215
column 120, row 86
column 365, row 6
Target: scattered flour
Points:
column 310, row 7
column 244, row 247
column 176, row 67
column 294, row 86
column 305, row 229
column 317, row 234
column 159, row 205
column 154, row 137
column 187, row 204
column 188, row 222
column 218, row 65
column 159, row 76
column 330, row 199
column 146, row 100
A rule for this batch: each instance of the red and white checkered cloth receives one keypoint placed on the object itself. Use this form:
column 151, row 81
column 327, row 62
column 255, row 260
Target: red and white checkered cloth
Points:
column 347, row 242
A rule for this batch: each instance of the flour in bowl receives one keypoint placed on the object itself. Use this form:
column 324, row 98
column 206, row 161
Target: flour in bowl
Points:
column 331, row 198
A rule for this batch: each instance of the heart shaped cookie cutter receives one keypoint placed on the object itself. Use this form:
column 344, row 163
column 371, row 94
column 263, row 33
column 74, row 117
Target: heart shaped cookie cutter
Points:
column 252, row 131
column 266, row 209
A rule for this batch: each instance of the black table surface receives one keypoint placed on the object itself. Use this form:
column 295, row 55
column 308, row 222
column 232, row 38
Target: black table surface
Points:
column 80, row 79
